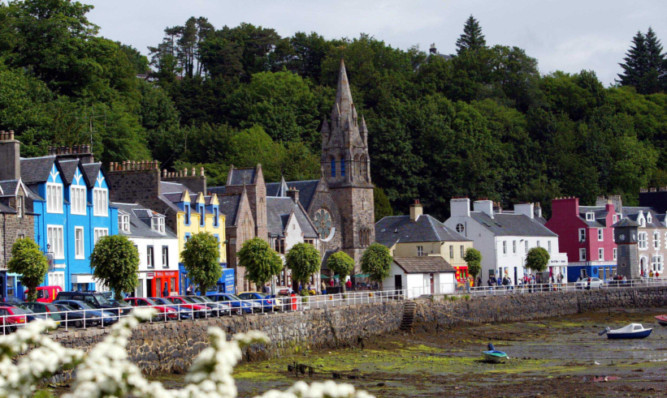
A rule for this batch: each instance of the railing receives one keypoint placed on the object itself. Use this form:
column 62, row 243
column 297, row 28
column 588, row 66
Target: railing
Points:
column 86, row 318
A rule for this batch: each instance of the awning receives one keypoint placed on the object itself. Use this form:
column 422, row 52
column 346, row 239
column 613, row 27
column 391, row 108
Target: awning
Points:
column 82, row 278
column 323, row 276
column 361, row 276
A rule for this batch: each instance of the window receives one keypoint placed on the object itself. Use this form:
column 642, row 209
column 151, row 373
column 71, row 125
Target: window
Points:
column 600, row 235
column 342, row 167
column 600, row 254
column 538, row 244
column 78, row 243
column 590, row 216
column 420, row 251
column 526, row 245
column 463, row 254
column 124, row 223
column 187, row 214
column 582, row 254
column 215, row 216
column 150, row 257
column 615, row 218
column 615, row 254
column 582, row 234
column 656, row 240
column 514, row 246
column 157, row 224
column 549, row 246
column 20, row 205
column 280, row 245
column 78, row 199
column 100, row 205
column 54, row 237
column 504, row 247
column 451, row 251
column 54, row 198
column 100, row 232
column 649, row 219
column 642, row 240
column 657, row 263
column 333, row 167
column 165, row 256
column 460, row 228
column 202, row 215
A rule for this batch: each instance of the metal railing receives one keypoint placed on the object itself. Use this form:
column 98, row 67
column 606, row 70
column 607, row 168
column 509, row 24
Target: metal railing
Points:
column 105, row 317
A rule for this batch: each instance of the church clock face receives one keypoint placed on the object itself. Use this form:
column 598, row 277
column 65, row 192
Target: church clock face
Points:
column 323, row 223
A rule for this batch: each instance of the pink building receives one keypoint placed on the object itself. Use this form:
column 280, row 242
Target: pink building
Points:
column 585, row 233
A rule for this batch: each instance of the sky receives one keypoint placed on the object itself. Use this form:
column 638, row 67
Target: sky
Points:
column 563, row 35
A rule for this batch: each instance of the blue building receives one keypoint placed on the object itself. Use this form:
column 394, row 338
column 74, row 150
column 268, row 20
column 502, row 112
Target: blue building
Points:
column 73, row 213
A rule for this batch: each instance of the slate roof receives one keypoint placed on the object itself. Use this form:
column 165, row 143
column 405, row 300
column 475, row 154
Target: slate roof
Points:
column 36, row 170
column 90, row 172
column 600, row 216
column 229, row 206
column 242, row 176
column 6, row 209
column 67, row 169
column 140, row 222
column 218, row 190
column 423, row 265
column 8, row 187
column 626, row 222
column 399, row 229
column 306, row 190
column 278, row 211
column 503, row 224
column 171, row 187
column 173, row 197
column 632, row 212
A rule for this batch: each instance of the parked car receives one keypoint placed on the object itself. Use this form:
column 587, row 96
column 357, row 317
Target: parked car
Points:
column 46, row 294
column 47, row 309
column 266, row 303
column 183, row 313
column 589, row 283
column 164, row 312
column 11, row 318
column 238, row 305
column 72, row 317
column 198, row 310
column 219, row 309
column 91, row 315
column 96, row 300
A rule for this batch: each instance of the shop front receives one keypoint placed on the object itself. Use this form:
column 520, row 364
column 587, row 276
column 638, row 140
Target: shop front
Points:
column 161, row 283
column 461, row 272
column 224, row 285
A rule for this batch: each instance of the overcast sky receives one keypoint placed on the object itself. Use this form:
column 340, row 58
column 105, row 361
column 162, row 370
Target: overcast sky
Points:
column 562, row 35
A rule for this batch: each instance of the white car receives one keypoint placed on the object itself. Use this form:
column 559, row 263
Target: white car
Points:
column 589, row 283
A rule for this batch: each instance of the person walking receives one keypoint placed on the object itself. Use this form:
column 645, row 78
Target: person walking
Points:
column 165, row 291
column 188, row 291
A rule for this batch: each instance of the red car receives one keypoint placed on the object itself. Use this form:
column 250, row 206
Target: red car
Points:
column 199, row 310
column 164, row 312
column 10, row 318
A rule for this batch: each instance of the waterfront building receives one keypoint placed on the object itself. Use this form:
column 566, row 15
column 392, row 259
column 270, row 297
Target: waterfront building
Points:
column 420, row 276
column 504, row 238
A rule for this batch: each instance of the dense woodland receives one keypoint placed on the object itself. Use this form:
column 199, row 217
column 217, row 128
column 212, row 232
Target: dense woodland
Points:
column 480, row 123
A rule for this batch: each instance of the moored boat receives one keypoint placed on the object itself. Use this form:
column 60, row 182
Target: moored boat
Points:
column 494, row 356
column 662, row 320
column 631, row 331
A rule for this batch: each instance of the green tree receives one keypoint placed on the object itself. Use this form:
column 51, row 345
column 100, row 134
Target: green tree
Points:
column 28, row 261
column 381, row 204
column 115, row 261
column 644, row 66
column 260, row 261
column 376, row 262
column 472, row 37
column 304, row 260
column 342, row 265
column 537, row 259
column 474, row 260
column 201, row 258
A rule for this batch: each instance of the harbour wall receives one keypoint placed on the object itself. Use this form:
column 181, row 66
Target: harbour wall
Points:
column 170, row 347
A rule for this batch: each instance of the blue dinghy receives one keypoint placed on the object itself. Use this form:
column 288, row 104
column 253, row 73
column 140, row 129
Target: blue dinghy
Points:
column 494, row 356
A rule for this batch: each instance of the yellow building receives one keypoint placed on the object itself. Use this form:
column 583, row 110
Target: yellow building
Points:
column 420, row 235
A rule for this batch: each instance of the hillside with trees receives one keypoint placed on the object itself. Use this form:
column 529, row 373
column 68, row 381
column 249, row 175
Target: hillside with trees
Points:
column 480, row 123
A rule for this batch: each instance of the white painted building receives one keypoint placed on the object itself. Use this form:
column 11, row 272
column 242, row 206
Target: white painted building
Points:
column 420, row 275
column 505, row 237
column 157, row 246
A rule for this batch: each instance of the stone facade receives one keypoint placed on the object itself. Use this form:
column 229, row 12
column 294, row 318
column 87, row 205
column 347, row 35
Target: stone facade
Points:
column 12, row 228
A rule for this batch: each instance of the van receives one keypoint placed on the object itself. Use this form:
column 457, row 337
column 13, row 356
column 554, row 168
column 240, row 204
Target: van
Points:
column 46, row 294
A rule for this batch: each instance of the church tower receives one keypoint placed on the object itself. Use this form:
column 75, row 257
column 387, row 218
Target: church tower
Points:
column 345, row 166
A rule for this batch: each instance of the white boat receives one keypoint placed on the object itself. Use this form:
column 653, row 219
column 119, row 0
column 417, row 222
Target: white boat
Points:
column 631, row 331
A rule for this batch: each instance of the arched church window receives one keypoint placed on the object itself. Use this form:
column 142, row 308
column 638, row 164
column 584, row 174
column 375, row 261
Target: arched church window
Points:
column 333, row 166
column 342, row 167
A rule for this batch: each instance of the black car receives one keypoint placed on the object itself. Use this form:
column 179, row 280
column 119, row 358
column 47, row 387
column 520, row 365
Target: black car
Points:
column 96, row 300
column 42, row 309
column 89, row 314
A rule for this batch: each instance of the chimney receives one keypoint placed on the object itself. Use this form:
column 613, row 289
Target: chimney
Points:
column 538, row 210
column 416, row 210
column 433, row 50
column 294, row 194
column 527, row 209
column 459, row 207
column 10, row 153
column 484, row 206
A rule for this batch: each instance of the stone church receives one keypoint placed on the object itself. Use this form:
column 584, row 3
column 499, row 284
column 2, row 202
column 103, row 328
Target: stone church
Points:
column 339, row 204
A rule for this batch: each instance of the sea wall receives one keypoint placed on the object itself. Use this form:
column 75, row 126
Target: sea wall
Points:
column 170, row 347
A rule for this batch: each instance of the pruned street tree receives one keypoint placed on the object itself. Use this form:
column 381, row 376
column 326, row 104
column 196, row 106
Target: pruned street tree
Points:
column 115, row 261
column 474, row 260
column 28, row 261
column 342, row 265
column 376, row 262
column 201, row 258
column 537, row 259
column 261, row 262
column 304, row 260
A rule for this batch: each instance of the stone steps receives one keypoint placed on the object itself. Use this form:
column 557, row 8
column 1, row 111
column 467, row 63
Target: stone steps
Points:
column 409, row 309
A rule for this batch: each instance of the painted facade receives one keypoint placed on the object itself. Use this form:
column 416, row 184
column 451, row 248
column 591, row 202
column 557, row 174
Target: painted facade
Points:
column 419, row 276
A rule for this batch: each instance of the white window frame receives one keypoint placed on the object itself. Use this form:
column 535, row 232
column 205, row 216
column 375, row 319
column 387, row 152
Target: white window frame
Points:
column 79, row 247
column 656, row 240
column 549, row 246
column 526, row 246
column 77, row 195
column 657, row 263
column 56, row 240
column 100, row 232
column 157, row 224
column 514, row 247
column 165, row 256
column 590, row 216
column 582, row 235
column 54, row 198
column 601, row 254
column 600, row 235
column 150, row 257
column 504, row 247
column 582, row 254
column 100, row 202
column 124, row 223
column 451, row 251
column 649, row 218
column 642, row 241
column 20, row 206
column 420, row 251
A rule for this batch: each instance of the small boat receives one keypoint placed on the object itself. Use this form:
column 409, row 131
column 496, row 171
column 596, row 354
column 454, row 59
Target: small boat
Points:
column 662, row 320
column 631, row 331
column 494, row 356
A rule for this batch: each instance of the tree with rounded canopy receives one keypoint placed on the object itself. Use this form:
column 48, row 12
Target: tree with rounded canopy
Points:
column 342, row 265
column 260, row 261
column 474, row 260
column 115, row 261
column 201, row 258
column 376, row 262
column 28, row 261
column 537, row 259
column 304, row 260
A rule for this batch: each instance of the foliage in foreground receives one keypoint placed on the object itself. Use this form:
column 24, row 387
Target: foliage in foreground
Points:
column 105, row 371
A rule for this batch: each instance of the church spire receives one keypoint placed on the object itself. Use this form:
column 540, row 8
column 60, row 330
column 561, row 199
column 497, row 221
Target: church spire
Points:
column 343, row 93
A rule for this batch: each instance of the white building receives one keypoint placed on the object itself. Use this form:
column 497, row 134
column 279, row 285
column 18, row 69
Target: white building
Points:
column 420, row 275
column 157, row 246
column 505, row 237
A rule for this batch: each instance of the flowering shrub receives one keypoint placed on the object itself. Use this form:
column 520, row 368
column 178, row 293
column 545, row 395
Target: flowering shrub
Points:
column 107, row 372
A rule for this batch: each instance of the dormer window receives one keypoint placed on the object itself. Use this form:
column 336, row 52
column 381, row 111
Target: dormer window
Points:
column 100, row 204
column 215, row 216
column 157, row 224
column 202, row 215
column 590, row 216
column 54, row 198
column 78, row 199
column 124, row 223
column 20, row 206
column 187, row 214
column 649, row 219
